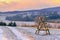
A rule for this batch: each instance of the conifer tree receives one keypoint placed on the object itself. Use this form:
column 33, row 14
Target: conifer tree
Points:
column 14, row 24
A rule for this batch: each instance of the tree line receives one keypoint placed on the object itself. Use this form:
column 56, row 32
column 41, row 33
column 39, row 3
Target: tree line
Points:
column 9, row 24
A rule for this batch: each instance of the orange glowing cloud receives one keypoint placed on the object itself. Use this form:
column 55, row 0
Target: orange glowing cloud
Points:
column 11, row 5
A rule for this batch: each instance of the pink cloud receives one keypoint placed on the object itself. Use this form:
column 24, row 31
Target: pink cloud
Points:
column 27, row 4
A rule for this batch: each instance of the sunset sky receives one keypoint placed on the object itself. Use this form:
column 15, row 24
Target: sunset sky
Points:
column 13, row 5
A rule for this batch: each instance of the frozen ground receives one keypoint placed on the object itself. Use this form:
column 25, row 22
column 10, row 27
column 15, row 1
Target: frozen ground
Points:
column 1, row 34
column 55, row 34
column 28, row 33
column 10, row 33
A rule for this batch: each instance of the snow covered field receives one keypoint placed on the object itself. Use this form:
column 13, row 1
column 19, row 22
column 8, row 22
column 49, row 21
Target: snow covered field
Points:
column 27, row 33
column 1, row 34
column 55, row 34
column 10, row 33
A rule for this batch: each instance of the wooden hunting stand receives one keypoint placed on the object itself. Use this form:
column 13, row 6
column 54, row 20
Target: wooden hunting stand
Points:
column 41, row 25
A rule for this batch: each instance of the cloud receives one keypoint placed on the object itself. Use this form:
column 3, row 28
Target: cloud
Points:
column 11, row 5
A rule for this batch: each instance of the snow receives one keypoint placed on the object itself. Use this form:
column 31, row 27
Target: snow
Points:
column 7, row 34
column 1, row 34
column 27, row 33
column 55, row 34
column 18, row 34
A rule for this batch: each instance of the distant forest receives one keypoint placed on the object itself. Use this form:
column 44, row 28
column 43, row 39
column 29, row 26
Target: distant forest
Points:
column 30, row 17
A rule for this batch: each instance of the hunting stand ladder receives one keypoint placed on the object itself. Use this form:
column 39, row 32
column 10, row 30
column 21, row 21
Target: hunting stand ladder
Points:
column 41, row 25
